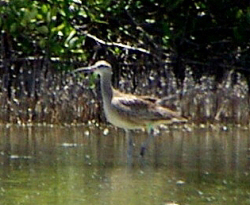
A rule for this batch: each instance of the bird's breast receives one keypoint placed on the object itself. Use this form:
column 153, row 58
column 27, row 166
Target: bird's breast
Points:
column 119, row 120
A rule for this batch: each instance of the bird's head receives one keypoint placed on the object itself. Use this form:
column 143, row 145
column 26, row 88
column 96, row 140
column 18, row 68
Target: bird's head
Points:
column 100, row 67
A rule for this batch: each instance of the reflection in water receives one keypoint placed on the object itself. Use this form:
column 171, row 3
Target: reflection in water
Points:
column 86, row 165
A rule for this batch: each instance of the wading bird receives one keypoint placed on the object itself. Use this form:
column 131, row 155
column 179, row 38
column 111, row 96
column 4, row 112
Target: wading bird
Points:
column 129, row 111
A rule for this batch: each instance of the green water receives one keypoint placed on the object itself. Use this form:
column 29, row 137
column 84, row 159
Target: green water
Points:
column 86, row 165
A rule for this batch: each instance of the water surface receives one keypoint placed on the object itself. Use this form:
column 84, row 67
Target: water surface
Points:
column 89, row 165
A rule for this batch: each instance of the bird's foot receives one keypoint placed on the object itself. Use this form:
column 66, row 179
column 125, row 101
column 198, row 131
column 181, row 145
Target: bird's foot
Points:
column 143, row 149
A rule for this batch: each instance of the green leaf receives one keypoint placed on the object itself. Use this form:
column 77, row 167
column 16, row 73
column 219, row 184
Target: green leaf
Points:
column 13, row 27
column 92, row 79
column 73, row 41
column 44, row 8
column 43, row 29
column 58, row 28
column 77, row 51
column 83, row 14
column 239, row 14
column 72, row 33
column 48, row 17
column 29, row 15
column 42, row 43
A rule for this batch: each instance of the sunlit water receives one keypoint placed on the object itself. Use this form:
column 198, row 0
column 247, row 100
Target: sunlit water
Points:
column 88, row 165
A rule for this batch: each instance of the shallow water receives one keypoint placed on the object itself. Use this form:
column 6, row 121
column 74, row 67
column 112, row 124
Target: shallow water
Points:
column 88, row 165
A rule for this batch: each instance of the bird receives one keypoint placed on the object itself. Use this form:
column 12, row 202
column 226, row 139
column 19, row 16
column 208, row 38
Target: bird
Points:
column 128, row 111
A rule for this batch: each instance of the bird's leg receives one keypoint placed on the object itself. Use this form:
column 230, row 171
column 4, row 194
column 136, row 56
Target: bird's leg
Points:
column 130, row 143
column 145, row 144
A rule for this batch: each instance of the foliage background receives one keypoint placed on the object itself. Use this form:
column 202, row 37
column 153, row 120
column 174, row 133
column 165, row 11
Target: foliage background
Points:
column 207, row 35
column 203, row 38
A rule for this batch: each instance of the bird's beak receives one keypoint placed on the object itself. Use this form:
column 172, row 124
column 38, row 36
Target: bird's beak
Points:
column 88, row 69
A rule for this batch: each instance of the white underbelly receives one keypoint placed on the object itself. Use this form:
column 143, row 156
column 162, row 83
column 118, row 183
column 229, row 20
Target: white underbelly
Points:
column 120, row 121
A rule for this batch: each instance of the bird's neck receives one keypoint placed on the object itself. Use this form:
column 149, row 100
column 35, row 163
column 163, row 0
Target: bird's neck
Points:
column 107, row 92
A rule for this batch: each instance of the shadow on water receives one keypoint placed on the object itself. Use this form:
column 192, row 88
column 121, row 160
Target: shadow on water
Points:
column 86, row 165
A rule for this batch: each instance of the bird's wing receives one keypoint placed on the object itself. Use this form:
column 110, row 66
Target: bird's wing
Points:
column 141, row 109
column 126, row 96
